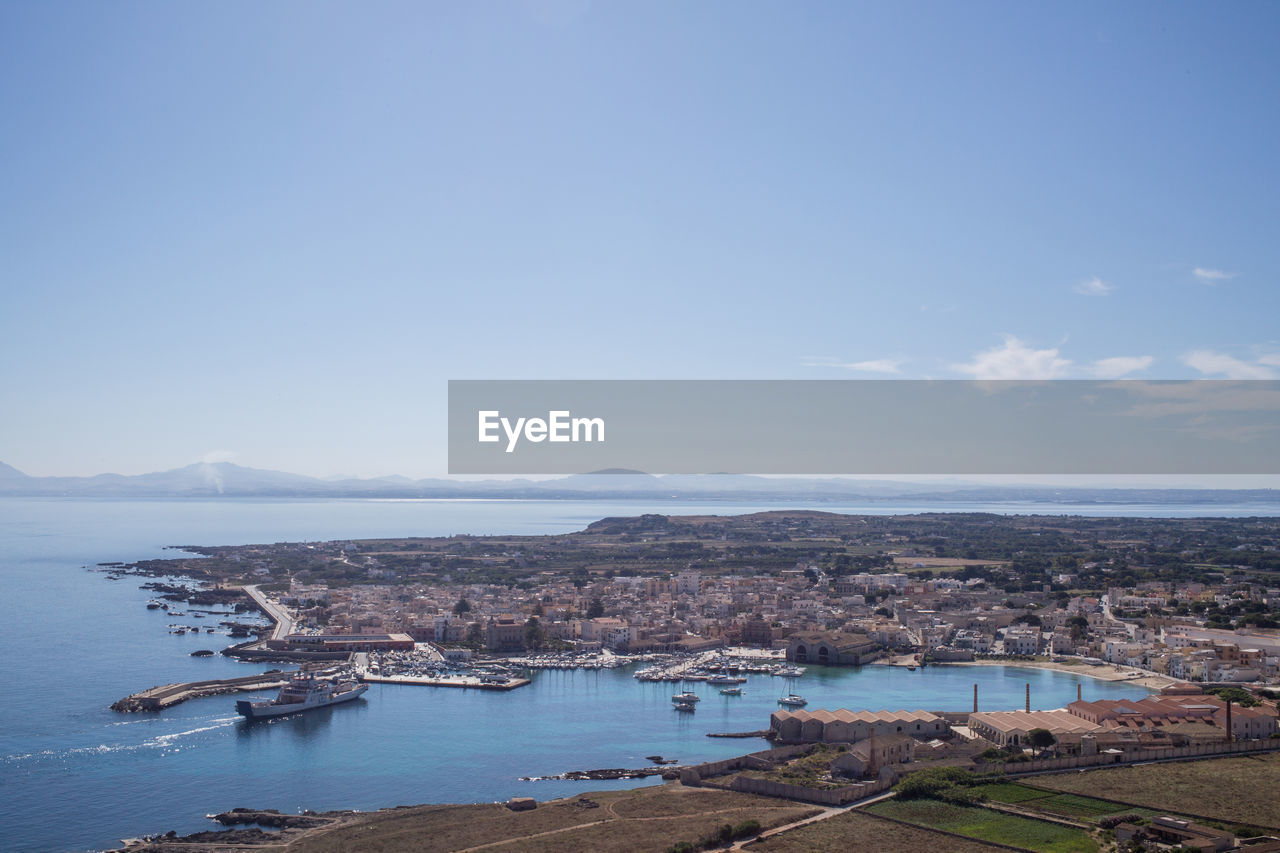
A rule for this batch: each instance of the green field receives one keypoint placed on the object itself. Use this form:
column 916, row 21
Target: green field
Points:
column 987, row 825
column 1067, row 805
column 1010, row 792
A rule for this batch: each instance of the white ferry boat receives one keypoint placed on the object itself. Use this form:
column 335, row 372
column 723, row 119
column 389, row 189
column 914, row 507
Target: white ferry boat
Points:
column 304, row 692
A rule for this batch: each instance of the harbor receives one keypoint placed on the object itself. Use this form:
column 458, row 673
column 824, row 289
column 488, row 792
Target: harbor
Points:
column 65, row 747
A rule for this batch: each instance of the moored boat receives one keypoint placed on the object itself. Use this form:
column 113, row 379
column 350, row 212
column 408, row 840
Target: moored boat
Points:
column 793, row 701
column 304, row 692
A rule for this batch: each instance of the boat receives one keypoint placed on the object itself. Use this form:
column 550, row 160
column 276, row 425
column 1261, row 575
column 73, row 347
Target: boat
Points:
column 911, row 668
column 731, row 691
column 304, row 692
column 793, row 701
column 685, row 705
column 725, row 679
column 791, row 671
column 687, row 696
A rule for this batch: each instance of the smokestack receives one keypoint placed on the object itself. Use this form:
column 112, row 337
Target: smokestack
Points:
column 1028, row 697
column 1078, row 696
column 975, row 698
column 1230, row 733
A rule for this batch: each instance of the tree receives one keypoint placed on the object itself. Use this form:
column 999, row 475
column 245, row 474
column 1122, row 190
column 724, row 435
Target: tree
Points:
column 1041, row 739
column 463, row 606
column 534, row 637
column 595, row 609
column 1236, row 695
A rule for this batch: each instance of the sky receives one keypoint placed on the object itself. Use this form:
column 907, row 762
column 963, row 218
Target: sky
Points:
column 271, row 233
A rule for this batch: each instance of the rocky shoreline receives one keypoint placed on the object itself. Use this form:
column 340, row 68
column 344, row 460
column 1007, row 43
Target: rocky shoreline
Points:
column 286, row 826
column 666, row 772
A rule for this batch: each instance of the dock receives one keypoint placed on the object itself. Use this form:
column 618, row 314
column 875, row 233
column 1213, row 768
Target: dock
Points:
column 470, row 682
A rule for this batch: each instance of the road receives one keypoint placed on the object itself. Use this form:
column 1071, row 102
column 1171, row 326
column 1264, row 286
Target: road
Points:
column 284, row 622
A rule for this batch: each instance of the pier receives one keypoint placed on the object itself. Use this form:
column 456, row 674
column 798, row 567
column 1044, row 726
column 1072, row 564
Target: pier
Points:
column 168, row 695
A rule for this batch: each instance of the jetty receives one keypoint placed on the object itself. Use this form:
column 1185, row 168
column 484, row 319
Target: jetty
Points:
column 168, row 695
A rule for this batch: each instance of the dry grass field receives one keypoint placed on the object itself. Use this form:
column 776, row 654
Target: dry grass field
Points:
column 1228, row 789
column 856, row 830
column 647, row 819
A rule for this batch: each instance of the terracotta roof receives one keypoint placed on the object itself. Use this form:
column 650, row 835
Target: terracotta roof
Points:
column 1058, row 722
column 846, row 716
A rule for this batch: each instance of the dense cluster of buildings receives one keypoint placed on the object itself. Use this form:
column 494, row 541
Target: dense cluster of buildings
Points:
column 850, row 619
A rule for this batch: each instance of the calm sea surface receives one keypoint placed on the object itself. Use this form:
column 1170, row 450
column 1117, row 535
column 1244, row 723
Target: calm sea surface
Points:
column 75, row 775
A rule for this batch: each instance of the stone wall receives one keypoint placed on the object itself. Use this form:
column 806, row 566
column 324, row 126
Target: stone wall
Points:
column 822, row 796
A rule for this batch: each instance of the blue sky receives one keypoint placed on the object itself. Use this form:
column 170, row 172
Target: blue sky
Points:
column 272, row 232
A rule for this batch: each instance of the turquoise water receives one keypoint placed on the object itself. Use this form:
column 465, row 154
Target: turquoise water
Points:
column 75, row 775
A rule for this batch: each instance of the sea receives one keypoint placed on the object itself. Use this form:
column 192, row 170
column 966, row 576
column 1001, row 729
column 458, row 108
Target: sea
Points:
column 75, row 775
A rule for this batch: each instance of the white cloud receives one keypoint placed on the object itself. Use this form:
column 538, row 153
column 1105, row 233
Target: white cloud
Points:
column 1015, row 360
column 1121, row 365
column 1217, row 363
column 1094, row 287
column 1211, row 276
column 878, row 365
column 1272, row 359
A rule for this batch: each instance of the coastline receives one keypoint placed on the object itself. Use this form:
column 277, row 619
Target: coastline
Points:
column 1102, row 672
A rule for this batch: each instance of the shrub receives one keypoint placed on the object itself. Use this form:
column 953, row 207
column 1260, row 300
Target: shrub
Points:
column 1115, row 820
column 934, row 782
column 746, row 829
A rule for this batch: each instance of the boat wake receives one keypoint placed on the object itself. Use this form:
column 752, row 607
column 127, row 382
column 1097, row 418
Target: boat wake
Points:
column 166, row 741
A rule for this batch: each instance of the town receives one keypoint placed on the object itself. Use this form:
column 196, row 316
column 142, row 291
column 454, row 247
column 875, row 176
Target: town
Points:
column 1184, row 599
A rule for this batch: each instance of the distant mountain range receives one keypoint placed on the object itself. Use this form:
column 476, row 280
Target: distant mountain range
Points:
column 214, row 479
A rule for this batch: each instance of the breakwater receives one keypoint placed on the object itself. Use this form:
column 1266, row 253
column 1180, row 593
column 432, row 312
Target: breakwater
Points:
column 168, row 695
